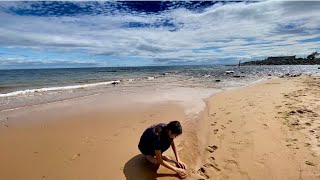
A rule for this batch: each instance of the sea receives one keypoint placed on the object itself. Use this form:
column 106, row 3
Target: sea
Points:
column 26, row 87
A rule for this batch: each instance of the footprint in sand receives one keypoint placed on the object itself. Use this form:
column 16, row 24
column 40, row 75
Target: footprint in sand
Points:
column 209, row 165
column 74, row 157
column 310, row 163
column 307, row 144
column 231, row 163
column 223, row 127
column 265, row 126
column 308, row 124
column 215, row 131
column 213, row 124
column 211, row 149
column 202, row 172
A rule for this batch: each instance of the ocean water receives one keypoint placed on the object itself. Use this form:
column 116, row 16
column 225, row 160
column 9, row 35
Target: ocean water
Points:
column 35, row 86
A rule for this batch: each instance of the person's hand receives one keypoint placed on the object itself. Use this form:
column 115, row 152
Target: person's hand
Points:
column 181, row 172
column 182, row 165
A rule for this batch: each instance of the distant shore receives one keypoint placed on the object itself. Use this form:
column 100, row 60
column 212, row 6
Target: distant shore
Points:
column 287, row 60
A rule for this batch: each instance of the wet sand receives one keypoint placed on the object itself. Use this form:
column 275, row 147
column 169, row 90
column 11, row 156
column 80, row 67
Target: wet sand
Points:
column 79, row 139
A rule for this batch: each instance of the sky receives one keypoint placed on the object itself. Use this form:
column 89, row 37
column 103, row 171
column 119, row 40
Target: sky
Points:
column 54, row 34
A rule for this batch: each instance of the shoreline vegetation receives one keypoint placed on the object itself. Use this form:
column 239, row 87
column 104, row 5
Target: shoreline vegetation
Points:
column 311, row 59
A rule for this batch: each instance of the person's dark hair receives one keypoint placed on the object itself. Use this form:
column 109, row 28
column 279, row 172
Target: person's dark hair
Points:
column 175, row 127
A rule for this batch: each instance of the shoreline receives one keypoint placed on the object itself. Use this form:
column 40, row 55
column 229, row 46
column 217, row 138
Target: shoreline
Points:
column 224, row 139
column 184, row 76
column 215, row 90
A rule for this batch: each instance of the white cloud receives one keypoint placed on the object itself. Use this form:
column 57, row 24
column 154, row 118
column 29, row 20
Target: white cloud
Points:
column 242, row 30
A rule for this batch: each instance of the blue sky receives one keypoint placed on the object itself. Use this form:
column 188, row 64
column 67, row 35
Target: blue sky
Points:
column 107, row 33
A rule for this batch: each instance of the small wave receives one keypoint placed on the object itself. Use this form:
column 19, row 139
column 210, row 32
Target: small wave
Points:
column 28, row 91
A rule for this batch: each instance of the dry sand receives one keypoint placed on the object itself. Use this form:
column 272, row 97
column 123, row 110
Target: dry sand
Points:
column 261, row 131
column 268, row 130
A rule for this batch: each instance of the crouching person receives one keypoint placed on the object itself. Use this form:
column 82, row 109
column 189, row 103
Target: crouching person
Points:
column 157, row 139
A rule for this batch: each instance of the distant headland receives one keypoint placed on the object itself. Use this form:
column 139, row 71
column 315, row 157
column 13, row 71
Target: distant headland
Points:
column 287, row 60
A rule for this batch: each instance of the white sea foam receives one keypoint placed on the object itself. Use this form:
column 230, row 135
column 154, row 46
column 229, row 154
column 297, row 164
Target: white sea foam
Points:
column 192, row 99
column 29, row 91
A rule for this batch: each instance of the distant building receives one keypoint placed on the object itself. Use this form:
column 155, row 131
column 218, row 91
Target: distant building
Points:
column 276, row 58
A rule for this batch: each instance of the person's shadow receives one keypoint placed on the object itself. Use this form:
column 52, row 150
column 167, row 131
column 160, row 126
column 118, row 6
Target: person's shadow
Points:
column 138, row 168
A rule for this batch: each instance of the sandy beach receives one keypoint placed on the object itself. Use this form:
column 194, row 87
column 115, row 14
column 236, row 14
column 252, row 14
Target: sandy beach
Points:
column 83, row 82
column 268, row 130
column 262, row 131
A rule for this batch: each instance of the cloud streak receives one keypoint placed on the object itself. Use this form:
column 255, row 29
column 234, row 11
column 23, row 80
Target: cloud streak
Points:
column 179, row 33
